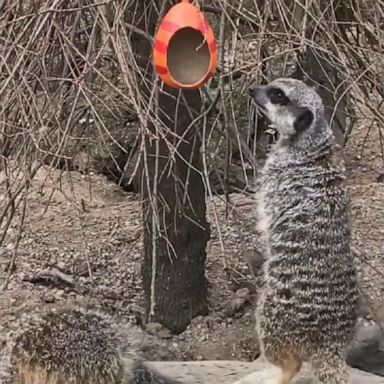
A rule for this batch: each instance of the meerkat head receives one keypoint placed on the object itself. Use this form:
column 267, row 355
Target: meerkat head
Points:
column 291, row 106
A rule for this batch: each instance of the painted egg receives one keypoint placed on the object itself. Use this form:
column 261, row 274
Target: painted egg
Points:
column 184, row 49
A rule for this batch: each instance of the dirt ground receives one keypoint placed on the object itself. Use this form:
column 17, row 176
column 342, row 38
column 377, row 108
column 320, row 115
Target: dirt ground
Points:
column 87, row 234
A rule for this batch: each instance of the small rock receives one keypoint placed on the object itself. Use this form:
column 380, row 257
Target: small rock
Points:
column 61, row 265
column 153, row 327
column 59, row 294
column 165, row 333
column 49, row 298
column 159, row 330
column 240, row 298
column 366, row 351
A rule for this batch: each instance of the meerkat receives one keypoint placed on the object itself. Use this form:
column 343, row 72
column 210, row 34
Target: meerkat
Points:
column 307, row 307
column 71, row 346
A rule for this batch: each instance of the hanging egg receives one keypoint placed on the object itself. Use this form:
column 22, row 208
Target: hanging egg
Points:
column 184, row 49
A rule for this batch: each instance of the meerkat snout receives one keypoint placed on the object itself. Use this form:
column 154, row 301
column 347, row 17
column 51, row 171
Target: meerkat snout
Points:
column 258, row 94
column 253, row 90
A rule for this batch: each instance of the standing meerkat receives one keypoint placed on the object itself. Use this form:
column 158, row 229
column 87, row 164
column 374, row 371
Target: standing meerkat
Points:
column 307, row 308
column 71, row 346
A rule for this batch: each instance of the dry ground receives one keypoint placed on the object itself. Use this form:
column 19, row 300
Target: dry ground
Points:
column 89, row 232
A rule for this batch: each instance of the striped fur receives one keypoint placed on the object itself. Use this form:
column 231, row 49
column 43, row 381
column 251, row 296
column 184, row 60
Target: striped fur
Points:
column 308, row 304
column 72, row 346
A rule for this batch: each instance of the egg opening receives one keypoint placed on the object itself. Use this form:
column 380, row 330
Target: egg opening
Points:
column 188, row 56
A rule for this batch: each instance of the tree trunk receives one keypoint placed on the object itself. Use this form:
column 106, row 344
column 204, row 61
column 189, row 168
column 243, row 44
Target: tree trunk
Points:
column 176, row 231
column 315, row 66
column 318, row 72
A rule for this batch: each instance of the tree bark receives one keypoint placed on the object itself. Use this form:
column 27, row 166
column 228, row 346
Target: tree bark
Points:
column 176, row 231
column 315, row 66
column 325, row 78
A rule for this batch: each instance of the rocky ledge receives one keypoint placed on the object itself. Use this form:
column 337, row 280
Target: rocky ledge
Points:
column 235, row 372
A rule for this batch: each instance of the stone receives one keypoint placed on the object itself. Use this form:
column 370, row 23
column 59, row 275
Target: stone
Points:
column 366, row 352
column 236, row 372
column 157, row 329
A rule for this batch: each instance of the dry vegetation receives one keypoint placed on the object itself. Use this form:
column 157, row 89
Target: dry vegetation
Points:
column 72, row 99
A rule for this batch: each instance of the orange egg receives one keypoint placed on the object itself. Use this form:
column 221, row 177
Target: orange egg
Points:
column 184, row 49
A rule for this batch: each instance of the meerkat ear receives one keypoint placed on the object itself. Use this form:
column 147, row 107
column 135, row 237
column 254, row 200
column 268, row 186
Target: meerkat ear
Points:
column 304, row 118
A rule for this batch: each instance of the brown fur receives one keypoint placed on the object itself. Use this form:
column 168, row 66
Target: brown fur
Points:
column 33, row 374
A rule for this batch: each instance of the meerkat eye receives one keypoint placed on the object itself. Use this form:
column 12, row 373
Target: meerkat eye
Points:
column 277, row 96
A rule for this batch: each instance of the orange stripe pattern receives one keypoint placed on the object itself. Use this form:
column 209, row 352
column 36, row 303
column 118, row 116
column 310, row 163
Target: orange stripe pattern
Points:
column 182, row 15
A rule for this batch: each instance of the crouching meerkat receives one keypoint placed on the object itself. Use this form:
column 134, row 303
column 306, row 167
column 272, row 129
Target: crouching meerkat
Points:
column 307, row 308
column 71, row 346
